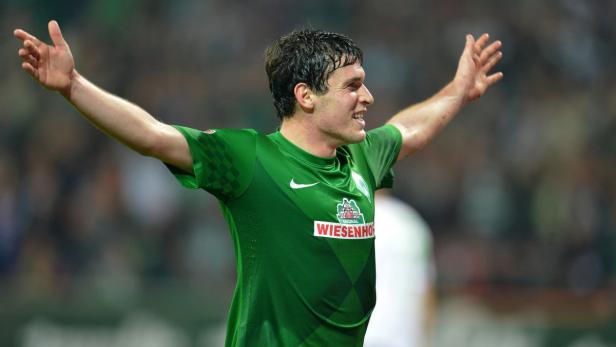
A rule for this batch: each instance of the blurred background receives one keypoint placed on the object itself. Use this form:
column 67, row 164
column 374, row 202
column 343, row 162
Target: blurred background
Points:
column 101, row 247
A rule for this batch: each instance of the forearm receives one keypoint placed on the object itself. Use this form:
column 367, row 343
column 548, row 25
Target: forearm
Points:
column 118, row 118
column 53, row 67
column 420, row 122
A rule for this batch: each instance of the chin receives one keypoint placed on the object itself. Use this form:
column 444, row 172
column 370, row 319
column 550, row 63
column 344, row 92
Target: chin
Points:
column 357, row 137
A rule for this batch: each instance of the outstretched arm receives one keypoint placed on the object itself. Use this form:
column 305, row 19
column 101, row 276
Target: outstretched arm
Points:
column 419, row 123
column 53, row 67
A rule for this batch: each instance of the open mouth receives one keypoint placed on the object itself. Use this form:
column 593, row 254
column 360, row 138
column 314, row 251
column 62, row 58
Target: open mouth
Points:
column 359, row 118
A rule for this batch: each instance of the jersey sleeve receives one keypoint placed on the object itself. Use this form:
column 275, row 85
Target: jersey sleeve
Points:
column 381, row 148
column 223, row 161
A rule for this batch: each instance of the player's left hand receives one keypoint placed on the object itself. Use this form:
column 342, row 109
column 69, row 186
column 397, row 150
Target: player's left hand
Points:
column 475, row 63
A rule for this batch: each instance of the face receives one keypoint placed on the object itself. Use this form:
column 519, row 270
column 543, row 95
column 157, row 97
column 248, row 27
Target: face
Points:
column 339, row 113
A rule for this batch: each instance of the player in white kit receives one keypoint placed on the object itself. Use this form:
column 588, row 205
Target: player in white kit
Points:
column 404, row 277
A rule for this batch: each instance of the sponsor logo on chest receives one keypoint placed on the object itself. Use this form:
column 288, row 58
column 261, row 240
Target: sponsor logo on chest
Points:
column 351, row 223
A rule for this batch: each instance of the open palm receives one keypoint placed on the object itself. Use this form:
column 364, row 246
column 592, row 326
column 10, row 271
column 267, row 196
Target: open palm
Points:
column 475, row 64
column 51, row 65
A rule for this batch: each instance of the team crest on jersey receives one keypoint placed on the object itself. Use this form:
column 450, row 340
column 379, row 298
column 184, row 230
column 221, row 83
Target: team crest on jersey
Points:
column 360, row 184
column 351, row 224
column 349, row 212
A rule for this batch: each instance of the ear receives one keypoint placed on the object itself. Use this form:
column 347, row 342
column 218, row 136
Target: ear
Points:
column 304, row 96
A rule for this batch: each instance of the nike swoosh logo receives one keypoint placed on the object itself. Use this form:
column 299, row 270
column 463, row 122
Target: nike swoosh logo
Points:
column 300, row 186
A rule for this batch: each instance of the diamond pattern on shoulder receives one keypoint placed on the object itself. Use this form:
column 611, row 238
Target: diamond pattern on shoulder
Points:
column 221, row 174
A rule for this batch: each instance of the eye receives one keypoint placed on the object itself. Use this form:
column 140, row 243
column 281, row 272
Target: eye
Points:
column 355, row 86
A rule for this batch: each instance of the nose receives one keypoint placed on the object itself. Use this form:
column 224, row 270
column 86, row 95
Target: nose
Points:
column 365, row 97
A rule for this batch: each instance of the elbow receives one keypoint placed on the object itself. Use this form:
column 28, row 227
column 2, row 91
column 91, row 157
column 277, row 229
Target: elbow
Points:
column 148, row 150
column 150, row 145
column 421, row 139
column 414, row 141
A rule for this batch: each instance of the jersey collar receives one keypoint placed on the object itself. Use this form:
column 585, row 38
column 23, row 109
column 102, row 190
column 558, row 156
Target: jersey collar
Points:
column 288, row 147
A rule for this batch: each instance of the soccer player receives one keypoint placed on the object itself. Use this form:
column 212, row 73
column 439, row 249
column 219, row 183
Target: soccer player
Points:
column 299, row 201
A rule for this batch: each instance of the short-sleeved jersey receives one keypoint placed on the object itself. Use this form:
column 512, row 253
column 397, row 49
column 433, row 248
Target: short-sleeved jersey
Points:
column 303, row 232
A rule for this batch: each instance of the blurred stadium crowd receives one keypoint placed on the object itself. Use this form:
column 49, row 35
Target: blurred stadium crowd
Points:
column 520, row 190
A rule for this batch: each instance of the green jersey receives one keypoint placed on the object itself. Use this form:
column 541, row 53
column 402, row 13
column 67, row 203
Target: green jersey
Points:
column 303, row 232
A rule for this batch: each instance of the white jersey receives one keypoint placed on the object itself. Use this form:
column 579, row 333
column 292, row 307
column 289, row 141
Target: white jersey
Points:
column 404, row 274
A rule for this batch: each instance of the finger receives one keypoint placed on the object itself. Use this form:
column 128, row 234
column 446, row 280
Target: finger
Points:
column 56, row 34
column 23, row 52
column 30, row 70
column 469, row 48
column 491, row 62
column 470, row 41
column 27, row 57
column 481, row 41
column 490, row 50
column 493, row 78
column 22, row 35
column 476, row 59
column 31, row 60
column 32, row 49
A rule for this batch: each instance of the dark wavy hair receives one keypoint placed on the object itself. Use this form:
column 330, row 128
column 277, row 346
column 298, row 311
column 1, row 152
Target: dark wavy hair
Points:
column 307, row 56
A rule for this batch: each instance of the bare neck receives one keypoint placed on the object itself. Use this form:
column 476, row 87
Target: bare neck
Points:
column 303, row 133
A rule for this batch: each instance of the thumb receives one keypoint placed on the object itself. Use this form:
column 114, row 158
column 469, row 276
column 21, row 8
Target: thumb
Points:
column 56, row 34
column 470, row 40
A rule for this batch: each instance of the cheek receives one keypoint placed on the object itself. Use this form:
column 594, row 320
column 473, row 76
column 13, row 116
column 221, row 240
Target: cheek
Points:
column 347, row 99
column 353, row 99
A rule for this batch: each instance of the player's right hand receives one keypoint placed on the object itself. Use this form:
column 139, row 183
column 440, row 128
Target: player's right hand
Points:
column 52, row 66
